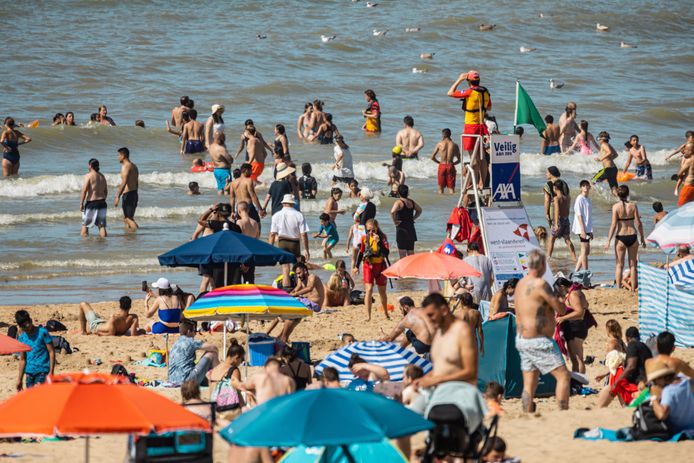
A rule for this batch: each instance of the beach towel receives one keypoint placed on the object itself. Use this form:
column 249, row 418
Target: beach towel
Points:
column 621, row 435
column 459, row 224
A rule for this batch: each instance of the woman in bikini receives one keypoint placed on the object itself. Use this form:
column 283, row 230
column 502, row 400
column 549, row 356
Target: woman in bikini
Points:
column 303, row 129
column 339, row 287
column 625, row 224
column 167, row 306
column 583, row 140
column 573, row 324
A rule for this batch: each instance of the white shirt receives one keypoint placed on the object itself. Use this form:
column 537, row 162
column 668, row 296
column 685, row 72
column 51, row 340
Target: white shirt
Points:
column 583, row 207
column 346, row 167
column 288, row 223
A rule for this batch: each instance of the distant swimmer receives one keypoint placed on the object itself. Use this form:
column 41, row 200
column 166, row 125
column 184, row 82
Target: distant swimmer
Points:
column 637, row 152
column 410, row 139
column 527, row 49
column 10, row 140
column 606, row 156
column 372, row 113
column 487, row 27
column 447, row 155
column 70, row 118
column 214, row 123
column 103, row 118
column 623, row 44
column 327, row 38
column 193, row 135
column 601, row 27
column 222, row 161
column 555, row 84
column 567, row 126
column 550, row 138
column 93, row 200
column 127, row 190
column 176, row 120
column 476, row 102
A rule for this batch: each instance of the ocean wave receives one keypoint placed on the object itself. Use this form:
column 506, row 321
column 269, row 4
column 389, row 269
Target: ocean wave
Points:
column 113, row 213
column 81, row 263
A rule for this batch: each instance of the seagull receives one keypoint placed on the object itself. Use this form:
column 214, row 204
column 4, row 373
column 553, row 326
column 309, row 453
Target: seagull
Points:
column 417, row 70
column 378, row 33
column 261, row 36
column 554, row 84
column 327, row 38
column 487, row 27
column 527, row 49
column 427, row 55
column 601, row 28
column 626, row 45
column 371, row 5
column 413, row 29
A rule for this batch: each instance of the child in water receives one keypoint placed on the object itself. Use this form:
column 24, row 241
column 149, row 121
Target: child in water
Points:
column 329, row 234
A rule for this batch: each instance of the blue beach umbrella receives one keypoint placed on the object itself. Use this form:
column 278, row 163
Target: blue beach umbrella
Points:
column 381, row 452
column 323, row 417
column 388, row 355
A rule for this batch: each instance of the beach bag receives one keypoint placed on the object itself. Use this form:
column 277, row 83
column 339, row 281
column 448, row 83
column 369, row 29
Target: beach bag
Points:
column 646, row 426
column 55, row 325
column 224, row 395
column 13, row 332
column 60, row 344
column 582, row 277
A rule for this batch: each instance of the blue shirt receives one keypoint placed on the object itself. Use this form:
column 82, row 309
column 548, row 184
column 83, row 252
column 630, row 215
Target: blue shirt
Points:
column 679, row 399
column 38, row 360
column 182, row 359
column 330, row 231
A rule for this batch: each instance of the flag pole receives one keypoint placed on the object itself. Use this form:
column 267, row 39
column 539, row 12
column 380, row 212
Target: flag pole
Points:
column 515, row 113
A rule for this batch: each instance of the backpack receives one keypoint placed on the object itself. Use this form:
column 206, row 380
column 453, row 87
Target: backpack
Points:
column 582, row 277
column 646, row 426
column 224, row 395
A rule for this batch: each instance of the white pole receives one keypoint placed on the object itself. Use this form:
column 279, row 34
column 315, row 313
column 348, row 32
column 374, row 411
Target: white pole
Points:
column 224, row 329
column 515, row 112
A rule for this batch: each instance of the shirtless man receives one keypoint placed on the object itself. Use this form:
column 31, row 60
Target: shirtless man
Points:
column 243, row 142
column 119, row 324
column 417, row 328
column 308, row 286
column 453, row 349
column 606, row 156
column 243, row 190
column 536, row 308
column 270, row 383
column 449, row 153
column 193, row 135
column 686, row 149
column 93, row 200
column 249, row 227
column 561, row 225
column 127, row 190
column 177, row 113
column 410, row 139
column 256, row 153
column 550, row 138
column 637, row 153
column 686, row 181
column 568, row 128
column 222, row 161
column 665, row 343
column 470, row 314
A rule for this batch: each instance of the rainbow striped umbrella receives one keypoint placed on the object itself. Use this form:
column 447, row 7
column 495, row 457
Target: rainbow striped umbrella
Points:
column 248, row 302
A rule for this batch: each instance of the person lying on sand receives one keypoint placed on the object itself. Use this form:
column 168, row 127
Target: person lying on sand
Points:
column 119, row 324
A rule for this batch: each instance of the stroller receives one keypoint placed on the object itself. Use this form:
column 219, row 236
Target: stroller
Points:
column 452, row 438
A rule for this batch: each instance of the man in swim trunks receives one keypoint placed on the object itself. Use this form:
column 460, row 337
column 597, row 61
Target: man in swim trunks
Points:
column 222, row 161
column 476, row 102
column 127, row 190
column 93, row 200
column 119, row 324
column 256, row 153
column 686, row 180
column 193, row 135
column 550, row 138
column 637, row 152
column 449, row 153
column 561, row 225
column 536, row 308
column 410, row 139
column 417, row 328
column 243, row 190
column 243, row 142
column 177, row 113
column 607, row 156
column 309, row 288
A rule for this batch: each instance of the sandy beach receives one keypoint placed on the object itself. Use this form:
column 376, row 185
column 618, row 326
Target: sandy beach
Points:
column 545, row 436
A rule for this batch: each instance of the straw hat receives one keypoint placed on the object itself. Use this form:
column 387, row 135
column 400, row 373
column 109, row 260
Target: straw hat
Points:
column 655, row 370
column 288, row 199
column 217, row 107
column 284, row 170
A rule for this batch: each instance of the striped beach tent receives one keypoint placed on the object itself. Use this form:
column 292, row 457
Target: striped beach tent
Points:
column 664, row 307
column 682, row 275
column 388, row 355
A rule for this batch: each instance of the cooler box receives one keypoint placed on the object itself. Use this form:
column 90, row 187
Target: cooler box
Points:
column 303, row 350
column 260, row 351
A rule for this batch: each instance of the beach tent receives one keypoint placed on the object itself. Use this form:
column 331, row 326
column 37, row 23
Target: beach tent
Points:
column 663, row 306
column 501, row 360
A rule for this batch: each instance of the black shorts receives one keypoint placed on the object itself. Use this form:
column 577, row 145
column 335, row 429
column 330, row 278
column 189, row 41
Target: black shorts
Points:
column 575, row 329
column 589, row 236
column 609, row 174
column 129, row 204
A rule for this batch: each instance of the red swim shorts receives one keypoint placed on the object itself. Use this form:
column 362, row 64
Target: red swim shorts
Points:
column 446, row 176
column 469, row 142
column 372, row 273
column 686, row 195
column 256, row 169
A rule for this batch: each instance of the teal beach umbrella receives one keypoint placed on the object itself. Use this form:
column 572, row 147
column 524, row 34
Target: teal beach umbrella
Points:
column 381, row 452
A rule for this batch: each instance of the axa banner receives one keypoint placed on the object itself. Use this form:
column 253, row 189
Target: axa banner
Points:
column 505, row 169
column 509, row 238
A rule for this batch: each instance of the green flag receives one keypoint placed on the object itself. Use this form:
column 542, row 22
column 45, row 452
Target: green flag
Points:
column 526, row 112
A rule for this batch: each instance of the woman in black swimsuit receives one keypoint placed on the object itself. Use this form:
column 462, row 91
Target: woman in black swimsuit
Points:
column 282, row 142
column 404, row 212
column 625, row 222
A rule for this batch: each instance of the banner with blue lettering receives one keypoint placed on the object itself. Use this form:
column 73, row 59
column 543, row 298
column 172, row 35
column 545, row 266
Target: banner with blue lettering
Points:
column 505, row 169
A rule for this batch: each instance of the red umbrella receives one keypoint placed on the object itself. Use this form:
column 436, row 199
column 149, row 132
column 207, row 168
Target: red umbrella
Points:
column 10, row 345
column 431, row 266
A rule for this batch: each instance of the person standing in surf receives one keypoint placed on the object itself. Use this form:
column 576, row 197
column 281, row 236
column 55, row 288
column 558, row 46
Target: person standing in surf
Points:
column 372, row 113
column 127, row 191
column 476, row 102
column 10, row 140
column 637, row 152
column 567, row 126
column 93, row 200
column 606, row 156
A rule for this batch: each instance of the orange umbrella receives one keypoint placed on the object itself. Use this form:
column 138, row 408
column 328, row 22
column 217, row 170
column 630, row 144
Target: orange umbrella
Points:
column 431, row 266
column 92, row 403
column 10, row 345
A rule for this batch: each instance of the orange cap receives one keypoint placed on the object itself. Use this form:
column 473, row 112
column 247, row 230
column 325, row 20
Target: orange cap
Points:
column 473, row 75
